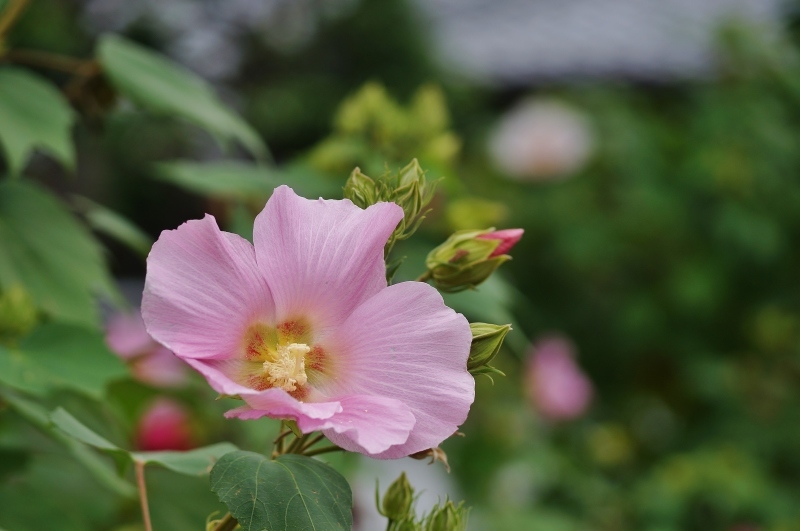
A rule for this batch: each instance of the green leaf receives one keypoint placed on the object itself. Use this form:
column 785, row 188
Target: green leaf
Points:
column 61, row 356
column 163, row 87
column 49, row 253
column 291, row 492
column 195, row 462
column 39, row 417
column 33, row 114
column 236, row 180
column 110, row 223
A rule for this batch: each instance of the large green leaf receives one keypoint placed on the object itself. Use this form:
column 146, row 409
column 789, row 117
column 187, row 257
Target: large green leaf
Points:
column 33, row 114
column 161, row 86
column 61, row 356
column 236, row 180
column 50, row 254
column 192, row 463
column 289, row 493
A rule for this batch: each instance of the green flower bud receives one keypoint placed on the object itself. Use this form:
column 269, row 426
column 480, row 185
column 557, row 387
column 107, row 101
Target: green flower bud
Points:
column 486, row 342
column 447, row 517
column 360, row 189
column 18, row 314
column 408, row 188
column 398, row 500
column 464, row 260
column 406, row 525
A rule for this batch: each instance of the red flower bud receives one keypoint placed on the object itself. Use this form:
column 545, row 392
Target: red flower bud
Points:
column 508, row 239
column 165, row 426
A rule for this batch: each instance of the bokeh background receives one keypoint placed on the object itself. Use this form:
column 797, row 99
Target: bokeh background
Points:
column 651, row 152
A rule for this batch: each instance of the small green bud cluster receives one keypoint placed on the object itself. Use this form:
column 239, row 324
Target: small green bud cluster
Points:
column 465, row 260
column 447, row 517
column 486, row 342
column 408, row 188
column 398, row 507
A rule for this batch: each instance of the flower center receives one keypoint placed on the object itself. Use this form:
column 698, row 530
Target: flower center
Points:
column 289, row 368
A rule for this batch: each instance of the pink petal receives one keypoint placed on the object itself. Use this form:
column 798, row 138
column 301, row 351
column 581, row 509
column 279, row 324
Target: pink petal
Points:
column 405, row 344
column 322, row 258
column 218, row 378
column 202, row 289
column 370, row 424
column 276, row 403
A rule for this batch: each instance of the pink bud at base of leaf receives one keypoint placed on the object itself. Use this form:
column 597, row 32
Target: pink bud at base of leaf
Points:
column 508, row 239
column 165, row 426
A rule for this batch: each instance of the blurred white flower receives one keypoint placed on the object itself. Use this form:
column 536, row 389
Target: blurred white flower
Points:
column 541, row 139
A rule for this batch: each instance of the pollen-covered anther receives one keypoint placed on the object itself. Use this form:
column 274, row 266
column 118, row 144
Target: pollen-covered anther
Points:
column 289, row 368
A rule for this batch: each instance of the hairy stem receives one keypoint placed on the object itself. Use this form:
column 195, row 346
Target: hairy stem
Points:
column 139, row 465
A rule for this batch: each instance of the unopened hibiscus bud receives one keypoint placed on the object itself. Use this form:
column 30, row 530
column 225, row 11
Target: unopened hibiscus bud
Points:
column 486, row 342
column 397, row 501
column 408, row 188
column 508, row 239
column 165, row 426
column 469, row 257
column 447, row 517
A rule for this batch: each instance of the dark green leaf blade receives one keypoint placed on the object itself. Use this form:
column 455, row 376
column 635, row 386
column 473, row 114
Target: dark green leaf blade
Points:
column 161, row 86
column 33, row 114
column 289, row 493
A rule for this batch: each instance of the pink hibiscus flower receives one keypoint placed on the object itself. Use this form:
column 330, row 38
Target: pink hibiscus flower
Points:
column 301, row 325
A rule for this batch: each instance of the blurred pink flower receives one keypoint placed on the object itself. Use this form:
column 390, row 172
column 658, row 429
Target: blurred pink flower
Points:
column 149, row 362
column 302, row 325
column 556, row 386
column 164, row 426
column 541, row 139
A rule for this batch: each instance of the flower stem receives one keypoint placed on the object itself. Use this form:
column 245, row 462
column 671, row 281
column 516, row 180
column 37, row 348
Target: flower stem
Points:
column 424, row 277
column 297, row 444
column 311, row 443
column 12, row 12
column 323, row 450
column 139, row 465
column 228, row 523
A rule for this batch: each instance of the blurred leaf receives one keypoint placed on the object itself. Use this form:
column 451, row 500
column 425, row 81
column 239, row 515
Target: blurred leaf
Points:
column 33, row 114
column 58, row 356
column 48, row 252
column 36, row 415
column 290, row 492
column 110, row 223
column 163, row 87
column 236, row 180
column 195, row 462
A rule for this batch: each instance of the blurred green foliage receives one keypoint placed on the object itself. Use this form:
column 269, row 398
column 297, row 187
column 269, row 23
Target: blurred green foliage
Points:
column 671, row 260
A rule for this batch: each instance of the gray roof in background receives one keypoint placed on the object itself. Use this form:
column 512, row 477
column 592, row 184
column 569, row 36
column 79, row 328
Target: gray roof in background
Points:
column 525, row 41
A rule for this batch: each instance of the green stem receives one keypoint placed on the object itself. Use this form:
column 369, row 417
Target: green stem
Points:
column 297, row 444
column 311, row 443
column 424, row 277
column 228, row 523
column 323, row 450
column 12, row 12
column 139, row 466
column 52, row 61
